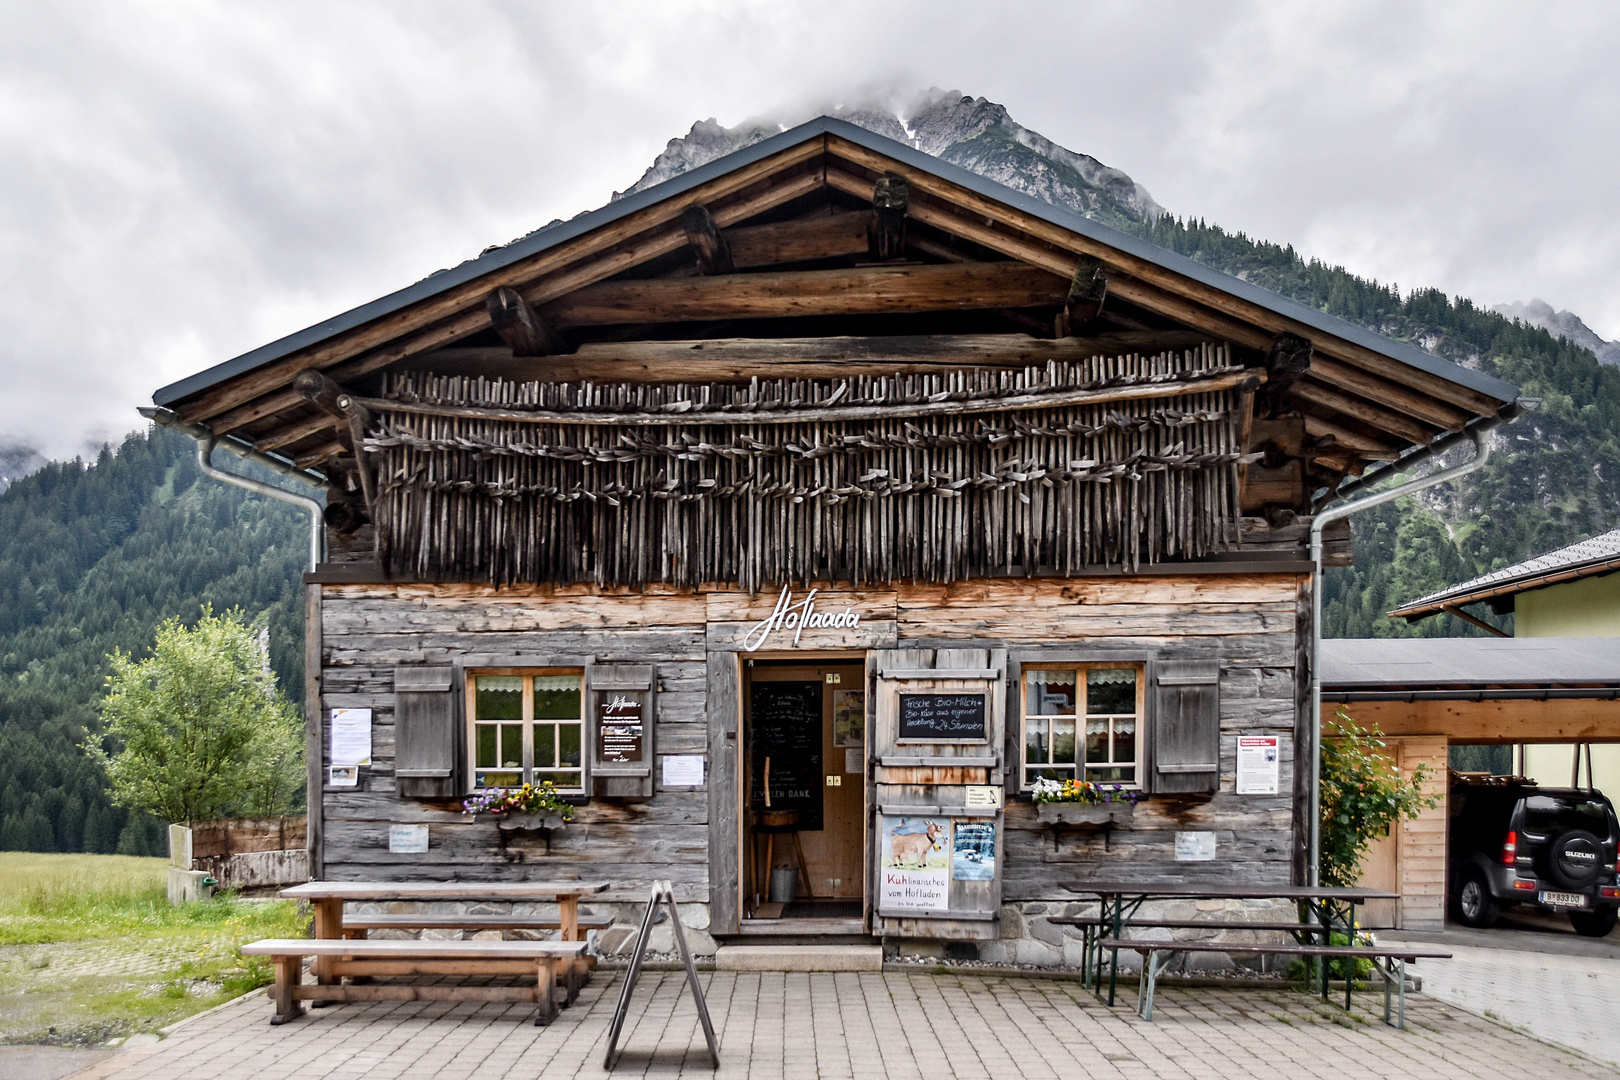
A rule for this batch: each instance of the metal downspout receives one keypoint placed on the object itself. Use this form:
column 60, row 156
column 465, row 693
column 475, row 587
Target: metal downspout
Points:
column 1324, row 518
column 206, row 441
column 317, row 520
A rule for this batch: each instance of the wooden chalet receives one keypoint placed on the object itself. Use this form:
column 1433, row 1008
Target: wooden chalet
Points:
column 802, row 512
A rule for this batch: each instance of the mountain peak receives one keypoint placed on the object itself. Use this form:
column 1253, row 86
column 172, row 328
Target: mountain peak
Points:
column 1564, row 324
column 974, row 133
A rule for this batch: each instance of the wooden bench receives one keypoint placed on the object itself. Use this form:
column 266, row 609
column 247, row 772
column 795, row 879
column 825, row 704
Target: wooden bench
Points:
column 1093, row 927
column 545, row 960
column 356, row 926
column 1388, row 961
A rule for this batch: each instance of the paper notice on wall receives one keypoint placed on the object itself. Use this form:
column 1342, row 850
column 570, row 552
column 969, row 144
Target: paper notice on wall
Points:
column 1195, row 846
column 1258, row 771
column 683, row 770
column 916, row 873
column 408, row 839
column 351, row 737
column 343, row 776
column 855, row 760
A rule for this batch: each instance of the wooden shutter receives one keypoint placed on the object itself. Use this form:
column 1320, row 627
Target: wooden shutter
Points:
column 1186, row 746
column 427, row 736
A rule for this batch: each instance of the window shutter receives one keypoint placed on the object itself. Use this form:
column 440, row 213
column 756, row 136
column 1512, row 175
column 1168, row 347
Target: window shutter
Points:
column 427, row 737
column 1186, row 726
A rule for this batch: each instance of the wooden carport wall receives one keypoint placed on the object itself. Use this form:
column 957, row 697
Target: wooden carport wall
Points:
column 1420, row 733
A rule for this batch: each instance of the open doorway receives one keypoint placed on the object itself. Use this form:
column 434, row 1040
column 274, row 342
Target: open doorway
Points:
column 805, row 753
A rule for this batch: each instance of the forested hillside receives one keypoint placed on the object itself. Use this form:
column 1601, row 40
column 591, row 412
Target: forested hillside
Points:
column 1555, row 475
column 92, row 558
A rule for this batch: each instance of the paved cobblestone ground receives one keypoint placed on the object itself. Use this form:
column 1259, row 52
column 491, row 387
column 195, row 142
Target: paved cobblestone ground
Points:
column 1573, row 1000
column 847, row 1025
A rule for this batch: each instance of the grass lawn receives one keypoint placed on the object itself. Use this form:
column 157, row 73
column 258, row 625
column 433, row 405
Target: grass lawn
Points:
column 90, row 949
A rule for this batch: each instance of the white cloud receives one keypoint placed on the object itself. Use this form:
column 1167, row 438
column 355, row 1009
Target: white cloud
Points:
column 187, row 180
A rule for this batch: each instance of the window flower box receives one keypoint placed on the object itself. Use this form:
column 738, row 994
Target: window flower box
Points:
column 1085, row 815
column 526, row 820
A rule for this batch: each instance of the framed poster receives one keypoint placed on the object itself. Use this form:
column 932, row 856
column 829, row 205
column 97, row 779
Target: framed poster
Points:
column 620, row 727
column 916, row 872
column 849, row 718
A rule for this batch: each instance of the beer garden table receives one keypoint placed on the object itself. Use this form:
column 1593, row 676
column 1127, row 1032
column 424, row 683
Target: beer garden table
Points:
column 1333, row 910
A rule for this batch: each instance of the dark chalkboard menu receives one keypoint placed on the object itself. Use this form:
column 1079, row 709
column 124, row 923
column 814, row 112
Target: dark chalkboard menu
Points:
column 942, row 717
column 785, row 726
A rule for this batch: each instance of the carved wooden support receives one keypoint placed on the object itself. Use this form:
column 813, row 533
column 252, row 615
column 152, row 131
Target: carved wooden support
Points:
column 886, row 239
column 521, row 327
column 706, row 241
column 1287, row 360
column 1088, row 289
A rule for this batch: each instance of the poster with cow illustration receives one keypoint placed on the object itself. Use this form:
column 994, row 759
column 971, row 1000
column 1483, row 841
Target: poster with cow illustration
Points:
column 916, row 864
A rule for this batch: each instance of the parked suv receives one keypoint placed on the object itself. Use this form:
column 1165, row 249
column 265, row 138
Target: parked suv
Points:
column 1513, row 842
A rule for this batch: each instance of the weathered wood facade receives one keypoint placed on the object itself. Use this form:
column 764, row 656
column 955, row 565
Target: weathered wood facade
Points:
column 998, row 493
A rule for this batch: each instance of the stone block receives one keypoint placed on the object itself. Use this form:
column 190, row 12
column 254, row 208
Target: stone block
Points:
column 799, row 958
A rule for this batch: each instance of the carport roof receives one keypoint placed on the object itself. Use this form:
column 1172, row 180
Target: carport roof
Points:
column 1386, row 665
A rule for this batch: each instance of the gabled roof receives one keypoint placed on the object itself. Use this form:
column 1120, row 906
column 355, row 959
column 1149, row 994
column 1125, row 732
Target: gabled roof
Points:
column 1375, row 396
column 1429, row 666
column 1592, row 557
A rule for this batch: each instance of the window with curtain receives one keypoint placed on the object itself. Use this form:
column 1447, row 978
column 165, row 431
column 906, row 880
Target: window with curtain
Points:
column 527, row 727
column 1083, row 722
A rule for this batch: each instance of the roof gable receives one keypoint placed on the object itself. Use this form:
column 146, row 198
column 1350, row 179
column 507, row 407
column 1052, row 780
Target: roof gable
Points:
column 1371, row 396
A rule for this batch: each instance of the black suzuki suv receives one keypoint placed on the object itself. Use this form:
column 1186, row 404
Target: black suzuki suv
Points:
column 1513, row 842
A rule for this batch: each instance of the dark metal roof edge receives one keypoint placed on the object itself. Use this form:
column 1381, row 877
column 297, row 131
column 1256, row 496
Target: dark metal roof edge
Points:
column 1470, row 592
column 545, row 238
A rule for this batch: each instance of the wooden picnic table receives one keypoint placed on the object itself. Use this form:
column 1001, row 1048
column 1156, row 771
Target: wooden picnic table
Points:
column 1332, row 907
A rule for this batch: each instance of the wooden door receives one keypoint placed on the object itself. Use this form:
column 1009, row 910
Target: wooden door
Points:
column 936, row 744
column 816, row 755
column 1381, row 867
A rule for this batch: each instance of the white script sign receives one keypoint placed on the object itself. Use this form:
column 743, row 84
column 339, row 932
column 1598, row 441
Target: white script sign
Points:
column 798, row 618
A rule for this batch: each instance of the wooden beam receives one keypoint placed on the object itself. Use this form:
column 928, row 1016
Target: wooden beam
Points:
column 1365, row 445
column 887, row 238
column 824, row 236
column 738, row 359
column 458, row 311
column 859, row 291
column 1356, row 381
column 360, row 418
column 1287, row 358
column 1453, row 609
column 521, row 327
column 319, row 391
column 1041, row 230
column 1207, row 384
column 469, row 322
column 321, row 454
column 1063, row 263
column 704, row 238
column 1376, row 416
column 298, row 432
column 1512, row 721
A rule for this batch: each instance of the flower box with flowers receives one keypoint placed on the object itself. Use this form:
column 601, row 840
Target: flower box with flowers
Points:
column 532, row 806
column 1083, row 803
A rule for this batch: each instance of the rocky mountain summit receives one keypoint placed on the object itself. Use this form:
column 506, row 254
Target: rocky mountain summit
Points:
column 1564, row 324
column 973, row 133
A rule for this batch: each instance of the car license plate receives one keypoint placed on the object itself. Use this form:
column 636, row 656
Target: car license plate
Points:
column 1563, row 899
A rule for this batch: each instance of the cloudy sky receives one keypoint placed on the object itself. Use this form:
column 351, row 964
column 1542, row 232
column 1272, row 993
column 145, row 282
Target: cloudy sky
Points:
column 186, row 180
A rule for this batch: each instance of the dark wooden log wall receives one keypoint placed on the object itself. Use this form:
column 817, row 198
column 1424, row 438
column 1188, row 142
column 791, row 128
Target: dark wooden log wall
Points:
column 1250, row 622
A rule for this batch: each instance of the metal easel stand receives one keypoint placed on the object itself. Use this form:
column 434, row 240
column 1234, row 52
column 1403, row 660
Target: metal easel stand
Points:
column 661, row 891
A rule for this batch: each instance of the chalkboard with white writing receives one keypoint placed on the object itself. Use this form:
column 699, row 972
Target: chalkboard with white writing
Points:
column 785, row 728
column 942, row 717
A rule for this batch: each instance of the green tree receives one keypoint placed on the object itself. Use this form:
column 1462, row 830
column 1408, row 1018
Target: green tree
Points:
column 1363, row 794
column 199, row 729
